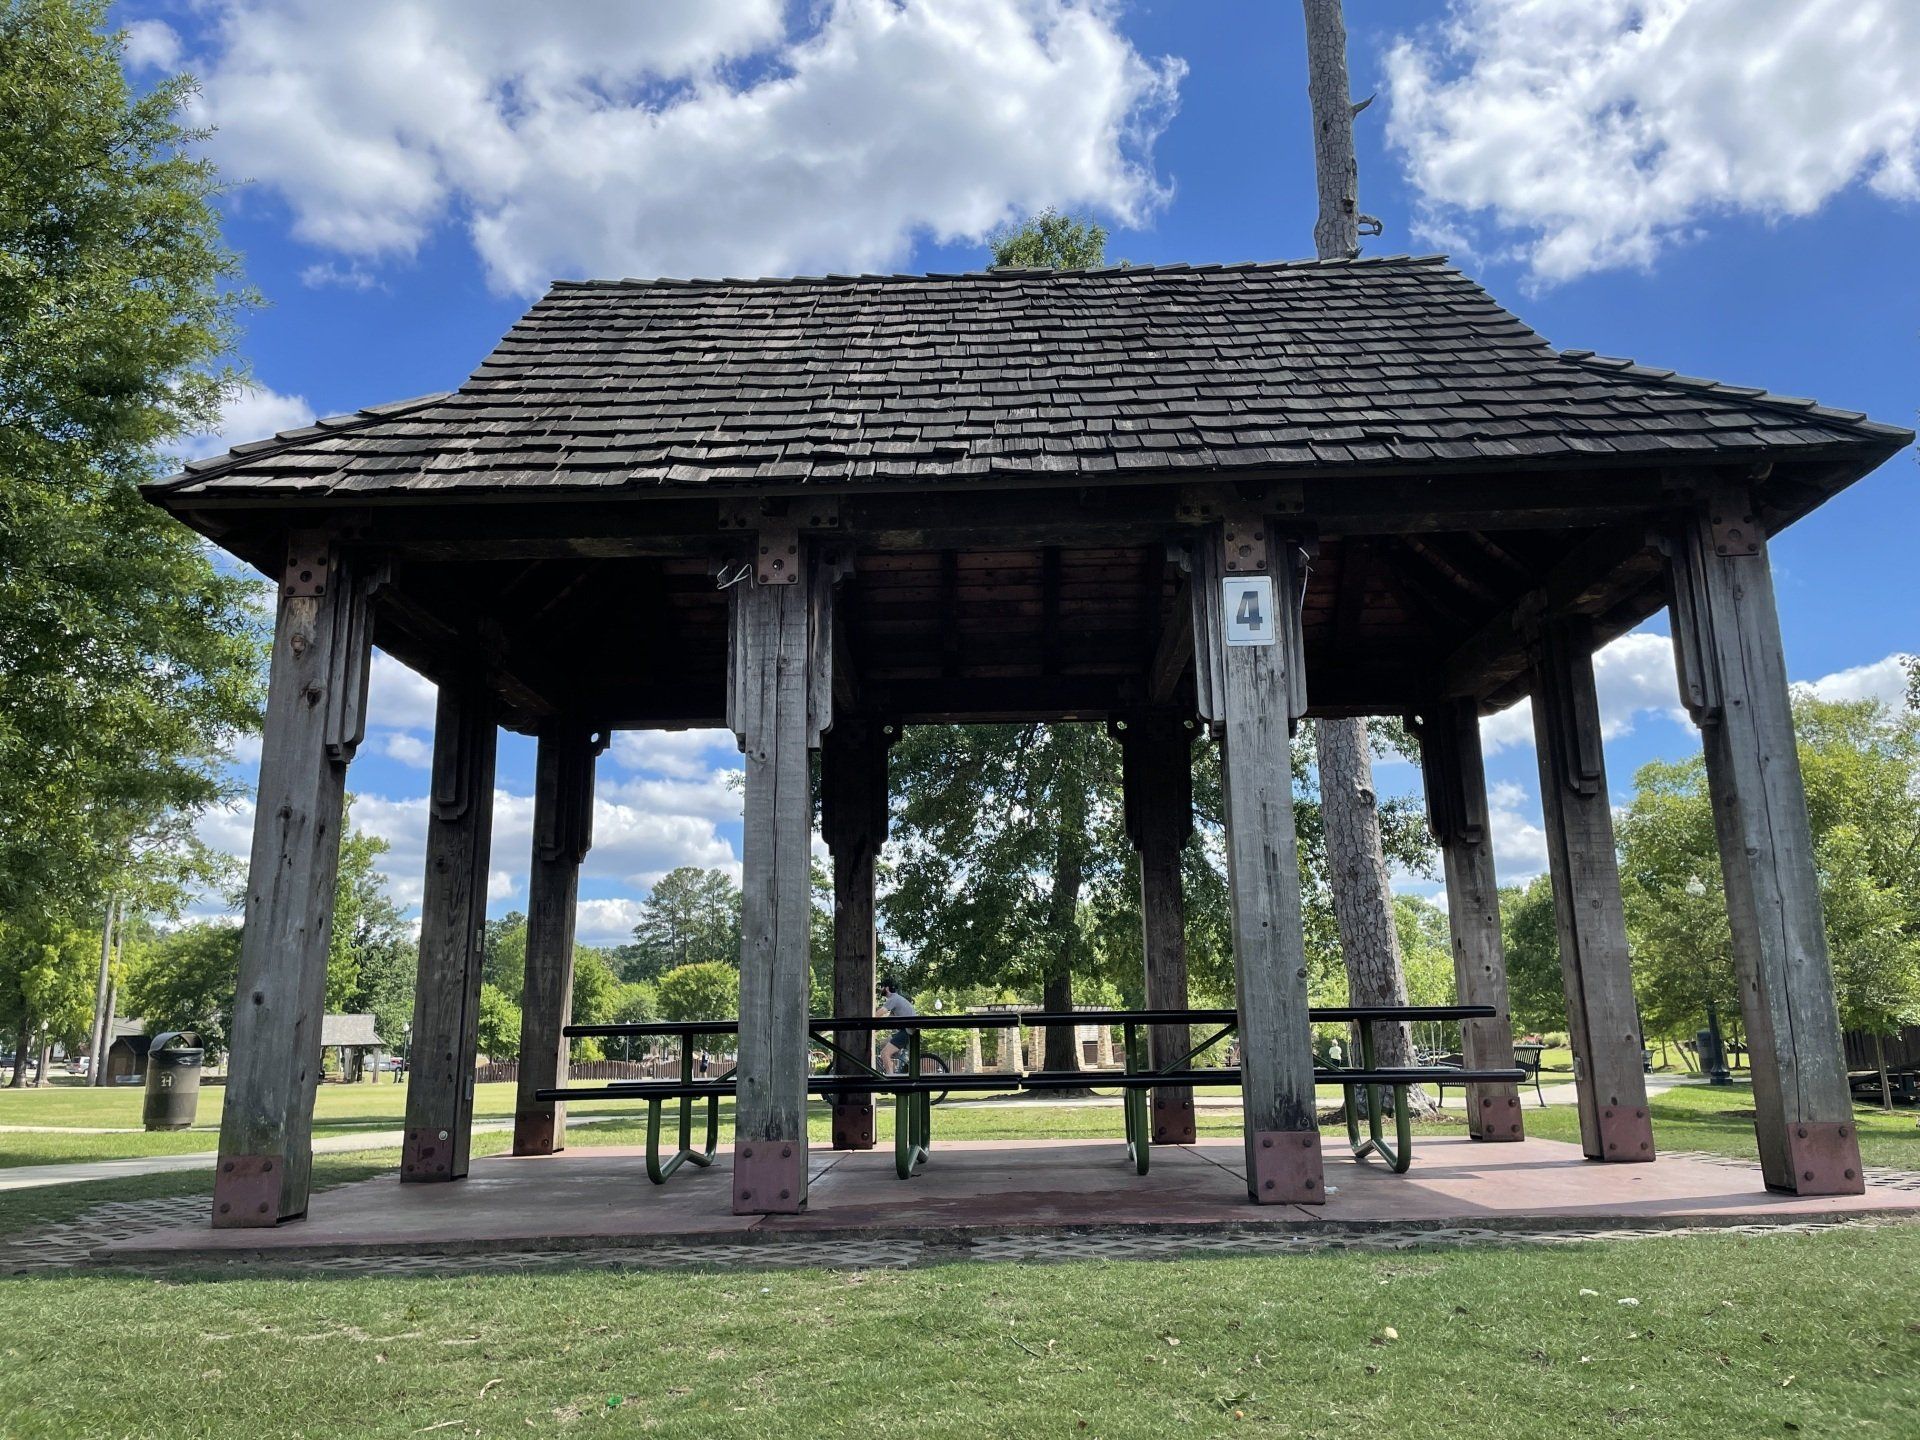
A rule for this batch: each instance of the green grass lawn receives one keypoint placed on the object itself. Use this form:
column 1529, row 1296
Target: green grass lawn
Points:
column 1730, row 1336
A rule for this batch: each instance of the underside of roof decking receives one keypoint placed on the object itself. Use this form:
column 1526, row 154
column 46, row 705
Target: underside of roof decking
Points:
column 1009, row 462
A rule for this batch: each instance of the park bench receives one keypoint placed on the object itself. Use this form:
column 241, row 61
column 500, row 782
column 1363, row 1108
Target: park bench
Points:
column 1526, row 1059
column 1139, row 1077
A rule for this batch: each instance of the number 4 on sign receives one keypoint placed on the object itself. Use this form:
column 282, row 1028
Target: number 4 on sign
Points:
column 1249, row 609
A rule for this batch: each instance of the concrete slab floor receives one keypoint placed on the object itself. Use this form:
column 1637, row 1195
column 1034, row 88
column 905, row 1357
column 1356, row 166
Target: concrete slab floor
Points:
column 593, row 1197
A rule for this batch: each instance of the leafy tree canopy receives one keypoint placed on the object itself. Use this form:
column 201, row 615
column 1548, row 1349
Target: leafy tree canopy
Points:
column 1051, row 241
column 708, row 990
column 691, row 918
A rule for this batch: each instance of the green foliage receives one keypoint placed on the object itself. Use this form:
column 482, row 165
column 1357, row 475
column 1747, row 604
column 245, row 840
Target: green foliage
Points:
column 48, row 971
column 705, row 991
column 1536, row 998
column 503, row 952
column 1008, row 845
column 691, row 918
column 1861, row 765
column 184, row 980
column 371, row 961
column 1051, row 241
column 127, row 664
column 499, row 1026
column 596, row 994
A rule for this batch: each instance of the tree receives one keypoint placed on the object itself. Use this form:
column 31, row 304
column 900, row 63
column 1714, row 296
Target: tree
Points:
column 1861, row 765
column 184, row 980
column 371, row 961
column 705, row 991
column 1051, row 241
column 1356, row 860
column 1008, row 839
column 1530, row 938
column 127, row 662
column 499, row 1024
column 691, row 918
column 596, row 992
column 503, row 952
column 46, row 987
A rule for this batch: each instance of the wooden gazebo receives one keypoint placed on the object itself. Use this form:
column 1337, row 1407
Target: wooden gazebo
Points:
column 1184, row 501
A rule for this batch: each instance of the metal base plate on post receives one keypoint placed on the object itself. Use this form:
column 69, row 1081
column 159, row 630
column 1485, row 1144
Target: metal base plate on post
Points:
column 853, row 1124
column 1626, row 1134
column 427, row 1155
column 1287, row 1168
column 1497, row 1118
column 534, row 1133
column 246, row 1191
column 769, row 1177
column 1173, row 1121
column 1826, row 1159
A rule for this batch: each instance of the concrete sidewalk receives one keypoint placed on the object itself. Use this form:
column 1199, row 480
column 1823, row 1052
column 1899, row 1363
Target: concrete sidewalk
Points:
column 75, row 1172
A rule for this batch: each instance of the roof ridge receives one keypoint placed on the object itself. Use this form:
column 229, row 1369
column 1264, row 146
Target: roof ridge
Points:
column 1746, row 394
column 325, row 425
column 1002, row 273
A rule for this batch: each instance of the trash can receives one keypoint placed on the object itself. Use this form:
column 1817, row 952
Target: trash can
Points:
column 173, row 1080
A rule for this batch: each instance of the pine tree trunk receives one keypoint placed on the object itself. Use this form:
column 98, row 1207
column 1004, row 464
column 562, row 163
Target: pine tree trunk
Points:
column 1356, row 861
column 1063, row 912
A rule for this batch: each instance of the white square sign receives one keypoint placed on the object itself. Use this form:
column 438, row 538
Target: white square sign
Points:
column 1249, row 609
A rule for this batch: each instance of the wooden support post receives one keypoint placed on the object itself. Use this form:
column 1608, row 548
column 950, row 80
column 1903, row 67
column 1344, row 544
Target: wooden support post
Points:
column 780, row 701
column 1456, row 780
column 853, row 821
column 453, row 912
column 1251, row 690
column 1733, row 678
column 1602, row 1020
column 316, row 717
column 562, row 835
column 1156, row 752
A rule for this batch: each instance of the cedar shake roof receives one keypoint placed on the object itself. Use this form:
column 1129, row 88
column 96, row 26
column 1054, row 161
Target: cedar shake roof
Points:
column 1382, row 365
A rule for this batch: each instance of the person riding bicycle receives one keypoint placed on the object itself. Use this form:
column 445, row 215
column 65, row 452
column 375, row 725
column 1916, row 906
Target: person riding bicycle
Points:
column 893, row 1003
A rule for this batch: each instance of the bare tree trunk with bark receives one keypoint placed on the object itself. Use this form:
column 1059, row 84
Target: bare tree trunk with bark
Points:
column 1356, row 860
column 1063, row 922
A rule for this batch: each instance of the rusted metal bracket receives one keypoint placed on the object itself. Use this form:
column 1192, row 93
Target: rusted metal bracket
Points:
column 1246, row 543
column 1287, row 1168
column 769, row 1177
column 1626, row 1133
column 853, row 1124
column 1173, row 1120
column 426, row 1154
column 1826, row 1159
column 1497, row 1119
column 1734, row 525
column 310, row 561
column 246, row 1191
column 777, row 527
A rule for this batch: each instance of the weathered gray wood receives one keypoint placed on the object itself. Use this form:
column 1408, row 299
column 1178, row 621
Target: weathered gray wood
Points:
column 853, row 822
column 1733, row 676
column 562, row 835
column 1157, row 780
column 771, row 659
column 1263, row 879
column 1456, row 781
column 1602, row 1021
column 453, row 911
column 321, row 650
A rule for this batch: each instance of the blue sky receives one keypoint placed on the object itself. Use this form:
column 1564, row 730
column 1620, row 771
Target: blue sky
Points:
column 1727, row 187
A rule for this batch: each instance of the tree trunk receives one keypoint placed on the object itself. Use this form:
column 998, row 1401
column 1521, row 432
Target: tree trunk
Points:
column 1356, row 862
column 1336, row 230
column 1362, row 895
column 102, row 1004
column 41, row 1081
column 1886, row 1085
column 1063, row 912
column 20, row 1045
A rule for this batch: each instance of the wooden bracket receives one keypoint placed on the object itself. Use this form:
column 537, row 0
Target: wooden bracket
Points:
column 1455, row 810
column 1573, row 733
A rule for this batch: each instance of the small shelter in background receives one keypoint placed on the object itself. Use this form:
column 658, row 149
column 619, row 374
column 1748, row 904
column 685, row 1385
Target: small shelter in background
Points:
column 1191, row 503
column 355, row 1040
column 127, row 1045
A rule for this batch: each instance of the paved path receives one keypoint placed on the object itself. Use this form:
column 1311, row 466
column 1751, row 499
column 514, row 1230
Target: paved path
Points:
column 74, row 1172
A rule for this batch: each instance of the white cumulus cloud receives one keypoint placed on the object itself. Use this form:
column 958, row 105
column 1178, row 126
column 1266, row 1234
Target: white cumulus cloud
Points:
column 1592, row 135
column 1632, row 677
column 1884, row 680
column 680, row 137
column 251, row 413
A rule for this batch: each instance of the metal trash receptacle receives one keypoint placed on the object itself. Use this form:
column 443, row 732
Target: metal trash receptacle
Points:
column 173, row 1080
